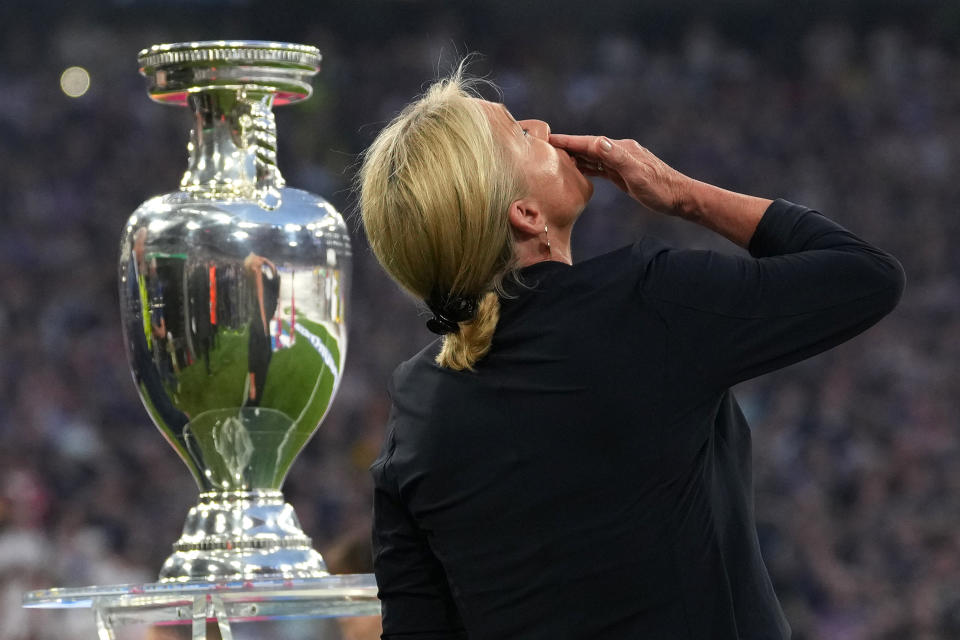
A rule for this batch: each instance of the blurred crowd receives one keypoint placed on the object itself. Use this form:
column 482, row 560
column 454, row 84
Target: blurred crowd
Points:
column 857, row 454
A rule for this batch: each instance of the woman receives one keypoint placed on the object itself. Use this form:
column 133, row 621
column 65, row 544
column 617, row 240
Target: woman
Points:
column 570, row 461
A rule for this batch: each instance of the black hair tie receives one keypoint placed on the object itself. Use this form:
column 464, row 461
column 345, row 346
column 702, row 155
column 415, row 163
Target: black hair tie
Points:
column 442, row 326
column 449, row 311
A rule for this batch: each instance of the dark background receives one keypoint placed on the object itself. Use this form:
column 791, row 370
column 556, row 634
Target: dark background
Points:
column 849, row 107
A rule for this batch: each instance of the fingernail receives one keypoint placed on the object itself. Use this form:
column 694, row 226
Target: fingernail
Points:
column 605, row 144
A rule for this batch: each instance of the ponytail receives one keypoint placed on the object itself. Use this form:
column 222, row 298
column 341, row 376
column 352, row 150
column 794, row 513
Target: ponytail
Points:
column 462, row 349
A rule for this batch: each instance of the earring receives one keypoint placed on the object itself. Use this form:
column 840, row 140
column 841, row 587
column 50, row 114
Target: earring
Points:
column 547, row 236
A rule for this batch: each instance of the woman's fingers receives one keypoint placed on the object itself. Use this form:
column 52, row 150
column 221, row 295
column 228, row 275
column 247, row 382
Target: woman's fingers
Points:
column 594, row 167
column 593, row 153
column 628, row 165
column 589, row 166
column 576, row 145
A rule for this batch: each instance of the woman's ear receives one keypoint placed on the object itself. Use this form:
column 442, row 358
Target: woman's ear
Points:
column 526, row 218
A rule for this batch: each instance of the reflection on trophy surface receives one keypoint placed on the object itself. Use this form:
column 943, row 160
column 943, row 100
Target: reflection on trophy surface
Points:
column 233, row 295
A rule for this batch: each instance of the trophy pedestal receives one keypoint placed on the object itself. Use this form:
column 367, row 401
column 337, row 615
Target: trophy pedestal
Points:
column 242, row 535
column 223, row 603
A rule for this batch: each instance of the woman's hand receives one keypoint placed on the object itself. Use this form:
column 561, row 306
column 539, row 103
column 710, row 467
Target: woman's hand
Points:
column 639, row 173
column 648, row 179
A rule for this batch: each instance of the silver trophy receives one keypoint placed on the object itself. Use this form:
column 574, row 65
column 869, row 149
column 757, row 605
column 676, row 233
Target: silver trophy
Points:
column 233, row 293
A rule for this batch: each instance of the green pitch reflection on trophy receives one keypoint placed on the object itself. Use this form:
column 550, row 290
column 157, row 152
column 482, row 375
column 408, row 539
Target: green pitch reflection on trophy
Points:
column 233, row 293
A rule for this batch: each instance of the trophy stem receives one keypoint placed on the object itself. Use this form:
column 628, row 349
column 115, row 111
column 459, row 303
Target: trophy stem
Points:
column 233, row 147
column 241, row 535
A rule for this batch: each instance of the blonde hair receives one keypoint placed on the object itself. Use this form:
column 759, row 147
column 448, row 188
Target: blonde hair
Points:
column 435, row 189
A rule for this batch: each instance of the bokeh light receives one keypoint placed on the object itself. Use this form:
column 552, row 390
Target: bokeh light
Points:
column 74, row 81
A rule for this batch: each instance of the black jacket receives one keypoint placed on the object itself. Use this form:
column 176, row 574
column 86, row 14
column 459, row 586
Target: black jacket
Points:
column 591, row 478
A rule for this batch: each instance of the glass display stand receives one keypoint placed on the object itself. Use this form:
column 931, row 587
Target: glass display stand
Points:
column 223, row 603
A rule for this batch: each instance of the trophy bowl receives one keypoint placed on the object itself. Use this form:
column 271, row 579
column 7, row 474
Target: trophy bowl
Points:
column 233, row 292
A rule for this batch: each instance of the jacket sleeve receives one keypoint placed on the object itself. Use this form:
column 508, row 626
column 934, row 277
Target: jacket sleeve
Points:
column 808, row 285
column 416, row 603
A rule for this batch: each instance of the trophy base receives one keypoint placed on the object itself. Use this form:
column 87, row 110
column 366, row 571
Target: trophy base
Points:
column 242, row 535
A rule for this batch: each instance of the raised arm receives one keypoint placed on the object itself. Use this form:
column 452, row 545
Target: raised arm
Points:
column 808, row 285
